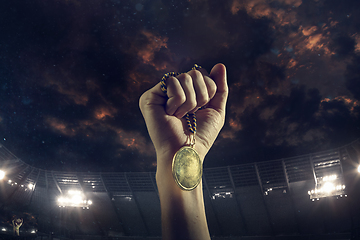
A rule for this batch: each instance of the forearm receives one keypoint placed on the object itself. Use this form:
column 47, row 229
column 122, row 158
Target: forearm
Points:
column 182, row 212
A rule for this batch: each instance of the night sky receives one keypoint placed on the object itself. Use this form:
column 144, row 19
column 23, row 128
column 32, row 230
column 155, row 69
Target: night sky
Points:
column 72, row 71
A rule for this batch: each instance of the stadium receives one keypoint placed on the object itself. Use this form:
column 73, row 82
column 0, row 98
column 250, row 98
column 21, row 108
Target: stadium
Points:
column 313, row 196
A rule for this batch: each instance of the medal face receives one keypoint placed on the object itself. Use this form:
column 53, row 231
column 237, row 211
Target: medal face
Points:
column 187, row 168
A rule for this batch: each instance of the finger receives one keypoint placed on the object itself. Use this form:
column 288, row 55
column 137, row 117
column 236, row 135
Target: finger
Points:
column 153, row 97
column 202, row 96
column 190, row 97
column 218, row 73
column 176, row 95
column 210, row 84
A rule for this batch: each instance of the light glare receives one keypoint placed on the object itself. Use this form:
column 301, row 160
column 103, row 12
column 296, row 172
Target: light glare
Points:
column 74, row 198
column 328, row 187
column 2, row 174
column 74, row 192
column 329, row 178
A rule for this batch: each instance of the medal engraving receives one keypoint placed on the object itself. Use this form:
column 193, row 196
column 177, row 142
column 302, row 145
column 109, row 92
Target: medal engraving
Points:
column 187, row 168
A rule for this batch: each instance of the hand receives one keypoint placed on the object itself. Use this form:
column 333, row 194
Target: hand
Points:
column 186, row 93
column 183, row 212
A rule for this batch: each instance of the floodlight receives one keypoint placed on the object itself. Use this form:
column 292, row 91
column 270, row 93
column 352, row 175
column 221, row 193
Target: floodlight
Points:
column 329, row 178
column 359, row 168
column 2, row 174
column 74, row 198
column 74, row 192
column 31, row 186
column 328, row 186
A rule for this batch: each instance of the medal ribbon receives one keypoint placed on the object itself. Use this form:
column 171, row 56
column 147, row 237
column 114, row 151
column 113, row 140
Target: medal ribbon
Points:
column 186, row 177
column 191, row 124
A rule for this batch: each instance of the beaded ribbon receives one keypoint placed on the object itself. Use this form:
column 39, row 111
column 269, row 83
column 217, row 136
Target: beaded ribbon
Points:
column 192, row 125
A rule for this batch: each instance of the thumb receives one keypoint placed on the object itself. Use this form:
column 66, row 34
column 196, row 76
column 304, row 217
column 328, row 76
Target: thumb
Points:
column 218, row 74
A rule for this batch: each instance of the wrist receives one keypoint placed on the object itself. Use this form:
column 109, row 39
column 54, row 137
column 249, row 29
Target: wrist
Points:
column 182, row 169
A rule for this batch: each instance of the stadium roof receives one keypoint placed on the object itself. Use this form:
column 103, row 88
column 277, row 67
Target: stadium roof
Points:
column 257, row 199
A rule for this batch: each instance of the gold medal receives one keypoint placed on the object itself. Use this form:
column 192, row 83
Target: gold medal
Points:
column 186, row 165
column 187, row 168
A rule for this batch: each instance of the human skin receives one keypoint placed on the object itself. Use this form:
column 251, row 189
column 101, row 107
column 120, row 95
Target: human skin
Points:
column 16, row 225
column 182, row 212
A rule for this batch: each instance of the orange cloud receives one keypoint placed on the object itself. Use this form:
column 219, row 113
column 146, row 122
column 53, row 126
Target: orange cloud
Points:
column 313, row 42
column 230, row 133
column 227, row 134
column 66, row 85
column 356, row 37
column 350, row 103
column 129, row 139
column 134, row 141
column 307, row 31
column 61, row 127
column 146, row 52
column 292, row 63
column 310, row 39
column 282, row 16
column 105, row 111
column 136, row 81
column 289, row 46
column 236, row 126
column 306, row 55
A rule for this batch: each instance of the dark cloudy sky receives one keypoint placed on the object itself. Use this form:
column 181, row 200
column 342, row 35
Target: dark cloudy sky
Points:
column 72, row 71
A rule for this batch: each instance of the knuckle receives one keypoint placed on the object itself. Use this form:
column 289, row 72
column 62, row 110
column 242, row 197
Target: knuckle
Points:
column 189, row 105
column 201, row 101
column 192, row 105
column 185, row 78
column 182, row 99
column 179, row 98
column 195, row 74
column 171, row 81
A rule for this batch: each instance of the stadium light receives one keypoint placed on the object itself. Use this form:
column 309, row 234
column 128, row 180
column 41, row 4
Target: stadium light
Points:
column 74, row 198
column 2, row 174
column 328, row 186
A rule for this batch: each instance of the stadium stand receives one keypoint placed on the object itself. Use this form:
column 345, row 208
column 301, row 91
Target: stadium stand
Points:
column 313, row 196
